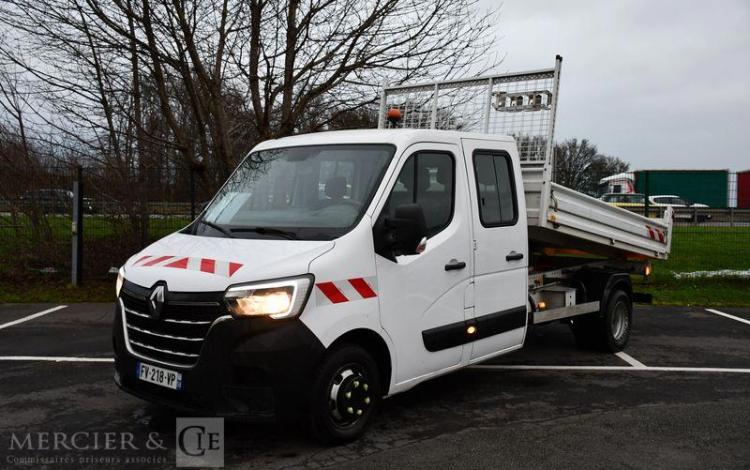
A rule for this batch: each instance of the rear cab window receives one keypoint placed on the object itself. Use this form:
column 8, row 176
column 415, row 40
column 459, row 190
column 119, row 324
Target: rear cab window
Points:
column 493, row 172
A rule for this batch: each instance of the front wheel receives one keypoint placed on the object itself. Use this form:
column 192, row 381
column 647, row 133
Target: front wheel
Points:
column 346, row 393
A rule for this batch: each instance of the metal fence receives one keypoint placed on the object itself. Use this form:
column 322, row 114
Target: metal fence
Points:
column 711, row 236
column 520, row 104
column 123, row 211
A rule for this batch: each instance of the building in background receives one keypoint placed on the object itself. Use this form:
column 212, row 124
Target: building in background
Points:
column 710, row 187
column 743, row 189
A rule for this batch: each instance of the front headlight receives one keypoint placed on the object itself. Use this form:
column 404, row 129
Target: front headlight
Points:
column 283, row 298
column 118, row 283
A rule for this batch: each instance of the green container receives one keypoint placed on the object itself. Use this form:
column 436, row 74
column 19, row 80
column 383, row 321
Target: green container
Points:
column 698, row 186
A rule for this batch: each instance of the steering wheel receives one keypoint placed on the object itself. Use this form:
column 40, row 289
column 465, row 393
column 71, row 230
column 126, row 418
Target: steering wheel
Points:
column 356, row 205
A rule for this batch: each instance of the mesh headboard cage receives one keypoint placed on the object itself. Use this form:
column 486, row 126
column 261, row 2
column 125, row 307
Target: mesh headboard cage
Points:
column 522, row 105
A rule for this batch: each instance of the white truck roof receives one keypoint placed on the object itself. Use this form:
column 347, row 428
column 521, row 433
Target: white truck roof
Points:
column 402, row 138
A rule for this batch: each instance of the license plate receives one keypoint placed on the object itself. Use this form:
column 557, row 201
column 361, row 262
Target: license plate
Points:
column 159, row 376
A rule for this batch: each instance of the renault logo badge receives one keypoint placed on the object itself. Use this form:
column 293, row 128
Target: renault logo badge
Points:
column 156, row 301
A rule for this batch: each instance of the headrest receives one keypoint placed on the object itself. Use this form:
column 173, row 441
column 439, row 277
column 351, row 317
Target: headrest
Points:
column 423, row 180
column 445, row 174
column 336, row 187
column 406, row 178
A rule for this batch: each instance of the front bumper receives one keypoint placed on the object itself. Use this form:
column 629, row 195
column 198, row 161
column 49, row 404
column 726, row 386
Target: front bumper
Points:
column 255, row 368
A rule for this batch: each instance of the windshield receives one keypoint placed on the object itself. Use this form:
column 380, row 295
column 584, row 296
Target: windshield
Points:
column 672, row 200
column 637, row 199
column 314, row 193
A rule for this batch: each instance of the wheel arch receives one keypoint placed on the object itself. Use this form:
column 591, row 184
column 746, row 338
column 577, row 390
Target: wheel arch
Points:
column 617, row 281
column 374, row 344
column 599, row 284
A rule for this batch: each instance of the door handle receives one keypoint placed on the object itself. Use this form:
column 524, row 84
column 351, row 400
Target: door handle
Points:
column 454, row 265
column 513, row 256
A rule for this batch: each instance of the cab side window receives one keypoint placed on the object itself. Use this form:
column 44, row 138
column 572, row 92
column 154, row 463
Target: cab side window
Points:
column 427, row 179
column 495, row 189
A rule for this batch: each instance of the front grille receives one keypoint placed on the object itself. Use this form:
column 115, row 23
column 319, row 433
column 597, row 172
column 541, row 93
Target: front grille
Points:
column 177, row 336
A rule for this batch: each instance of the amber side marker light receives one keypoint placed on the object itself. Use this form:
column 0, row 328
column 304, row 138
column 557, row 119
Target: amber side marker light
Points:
column 471, row 330
column 542, row 305
column 647, row 271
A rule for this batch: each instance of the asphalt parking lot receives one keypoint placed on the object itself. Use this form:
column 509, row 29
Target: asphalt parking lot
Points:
column 678, row 398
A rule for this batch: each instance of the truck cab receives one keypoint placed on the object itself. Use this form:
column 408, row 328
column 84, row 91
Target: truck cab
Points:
column 339, row 267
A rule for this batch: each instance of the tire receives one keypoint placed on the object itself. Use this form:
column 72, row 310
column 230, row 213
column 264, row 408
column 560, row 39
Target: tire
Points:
column 610, row 330
column 617, row 321
column 345, row 396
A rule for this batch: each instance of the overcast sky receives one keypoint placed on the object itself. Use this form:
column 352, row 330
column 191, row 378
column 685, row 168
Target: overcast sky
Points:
column 660, row 84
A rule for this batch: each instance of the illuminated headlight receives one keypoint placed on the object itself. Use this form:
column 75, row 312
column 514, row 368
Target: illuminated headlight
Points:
column 119, row 282
column 283, row 298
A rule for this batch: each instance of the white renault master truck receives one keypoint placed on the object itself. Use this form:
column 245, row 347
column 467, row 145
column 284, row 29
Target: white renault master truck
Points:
column 335, row 269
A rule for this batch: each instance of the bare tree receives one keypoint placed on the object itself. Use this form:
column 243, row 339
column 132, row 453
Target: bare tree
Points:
column 579, row 165
column 16, row 147
column 296, row 64
column 152, row 89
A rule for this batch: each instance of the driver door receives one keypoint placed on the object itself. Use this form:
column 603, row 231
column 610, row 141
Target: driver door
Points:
column 422, row 296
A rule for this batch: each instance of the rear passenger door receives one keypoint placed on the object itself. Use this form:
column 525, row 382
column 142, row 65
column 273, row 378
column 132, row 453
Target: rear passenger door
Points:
column 500, row 246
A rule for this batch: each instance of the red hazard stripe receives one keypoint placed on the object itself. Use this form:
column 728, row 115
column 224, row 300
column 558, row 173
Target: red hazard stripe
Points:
column 233, row 267
column 179, row 264
column 156, row 260
column 651, row 233
column 661, row 236
column 362, row 288
column 333, row 293
column 141, row 259
column 208, row 265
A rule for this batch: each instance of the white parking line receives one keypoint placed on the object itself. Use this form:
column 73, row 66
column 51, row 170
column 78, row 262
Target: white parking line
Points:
column 57, row 359
column 31, row 317
column 728, row 316
column 630, row 360
column 616, row 368
column 718, row 370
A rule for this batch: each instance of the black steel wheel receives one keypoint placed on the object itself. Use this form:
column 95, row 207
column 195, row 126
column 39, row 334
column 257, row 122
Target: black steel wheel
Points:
column 345, row 395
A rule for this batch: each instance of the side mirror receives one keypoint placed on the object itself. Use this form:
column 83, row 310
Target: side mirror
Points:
column 403, row 234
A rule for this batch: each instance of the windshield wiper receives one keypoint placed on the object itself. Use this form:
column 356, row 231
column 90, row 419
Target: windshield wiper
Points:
column 217, row 227
column 267, row 231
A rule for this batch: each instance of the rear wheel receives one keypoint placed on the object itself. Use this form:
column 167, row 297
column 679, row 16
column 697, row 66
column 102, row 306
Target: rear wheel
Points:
column 608, row 330
column 346, row 393
column 619, row 316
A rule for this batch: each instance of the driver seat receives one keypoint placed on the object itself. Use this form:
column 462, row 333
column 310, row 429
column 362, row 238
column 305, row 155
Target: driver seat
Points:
column 335, row 190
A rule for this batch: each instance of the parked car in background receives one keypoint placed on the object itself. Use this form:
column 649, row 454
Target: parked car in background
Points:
column 634, row 202
column 624, row 199
column 681, row 207
column 56, row 201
